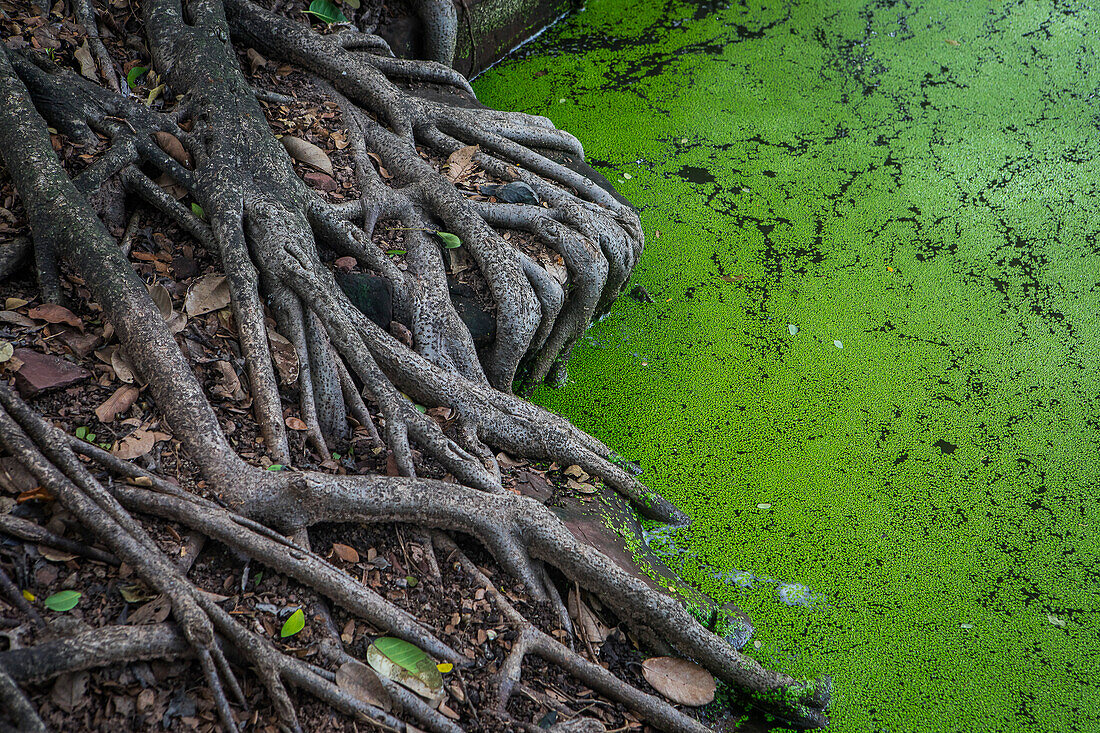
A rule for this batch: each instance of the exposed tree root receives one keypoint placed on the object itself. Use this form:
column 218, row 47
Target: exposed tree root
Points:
column 273, row 236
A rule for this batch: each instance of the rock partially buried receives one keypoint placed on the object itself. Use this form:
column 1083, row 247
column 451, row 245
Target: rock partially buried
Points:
column 42, row 372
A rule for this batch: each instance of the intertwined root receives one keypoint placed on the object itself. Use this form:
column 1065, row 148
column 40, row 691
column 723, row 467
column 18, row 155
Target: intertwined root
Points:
column 270, row 232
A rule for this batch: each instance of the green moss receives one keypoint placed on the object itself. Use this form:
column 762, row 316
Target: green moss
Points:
column 842, row 168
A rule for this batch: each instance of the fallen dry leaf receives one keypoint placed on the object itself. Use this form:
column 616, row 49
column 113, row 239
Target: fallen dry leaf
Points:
column 124, row 370
column 119, row 402
column 362, row 683
column 285, row 357
column 255, row 60
column 460, row 163
column 17, row 319
column 345, row 552
column 171, row 144
column 69, row 691
column 54, row 313
column 155, row 612
column 679, row 680
column 137, row 443
column 295, row 423
column 208, row 293
column 586, row 621
column 83, row 55
column 306, row 152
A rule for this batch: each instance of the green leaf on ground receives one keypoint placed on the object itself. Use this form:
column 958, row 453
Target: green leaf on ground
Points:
column 63, row 601
column 81, row 432
column 197, row 211
column 395, row 251
column 406, row 664
column 133, row 74
column 275, row 467
column 295, row 623
column 326, row 11
column 450, row 241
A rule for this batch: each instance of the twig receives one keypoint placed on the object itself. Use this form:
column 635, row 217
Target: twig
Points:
column 33, row 532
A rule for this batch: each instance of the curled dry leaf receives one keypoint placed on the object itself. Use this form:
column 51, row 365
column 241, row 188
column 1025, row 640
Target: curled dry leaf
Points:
column 11, row 304
column 586, row 620
column 362, row 683
column 124, row 370
column 163, row 299
column 306, row 152
column 460, row 164
column 679, row 680
column 208, row 293
column 255, row 60
column 171, row 144
column 228, row 386
column 53, row 313
column 6, row 351
column 117, row 403
column 175, row 320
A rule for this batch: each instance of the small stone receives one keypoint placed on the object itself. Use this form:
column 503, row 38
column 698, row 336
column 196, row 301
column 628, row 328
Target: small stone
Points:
column 641, row 295
column 792, row 329
column 320, row 180
column 42, row 372
column 838, row 344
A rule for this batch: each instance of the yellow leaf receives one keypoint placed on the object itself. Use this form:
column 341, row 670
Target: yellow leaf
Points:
column 28, row 595
column 445, row 667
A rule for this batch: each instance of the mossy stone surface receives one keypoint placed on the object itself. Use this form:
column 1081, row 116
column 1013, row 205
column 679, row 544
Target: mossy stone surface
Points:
column 901, row 489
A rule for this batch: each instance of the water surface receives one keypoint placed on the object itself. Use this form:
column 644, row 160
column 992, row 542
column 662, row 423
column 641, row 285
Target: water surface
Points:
column 871, row 372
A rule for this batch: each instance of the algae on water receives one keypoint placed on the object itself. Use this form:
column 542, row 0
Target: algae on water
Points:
column 914, row 182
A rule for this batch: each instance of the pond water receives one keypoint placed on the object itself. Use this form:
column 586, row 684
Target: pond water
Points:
column 871, row 373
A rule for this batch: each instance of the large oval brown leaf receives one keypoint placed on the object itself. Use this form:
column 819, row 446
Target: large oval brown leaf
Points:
column 679, row 680
column 306, row 152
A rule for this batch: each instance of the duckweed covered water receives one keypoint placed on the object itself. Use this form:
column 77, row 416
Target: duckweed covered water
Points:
column 871, row 373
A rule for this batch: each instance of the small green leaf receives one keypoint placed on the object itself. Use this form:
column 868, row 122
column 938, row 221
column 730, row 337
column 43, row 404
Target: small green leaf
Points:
column 133, row 74
column 450, row 241
column 395, row 251
column 63, row 601
column 294, row 624
column 276, row 467
column 411, row 581
column 257, row 577
column 326, row 11
column 335, row 456
column 105, row 446
column 91, row 437
column 420, row 408
column 81, row 432
column 197, row 211
column 353, row 4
